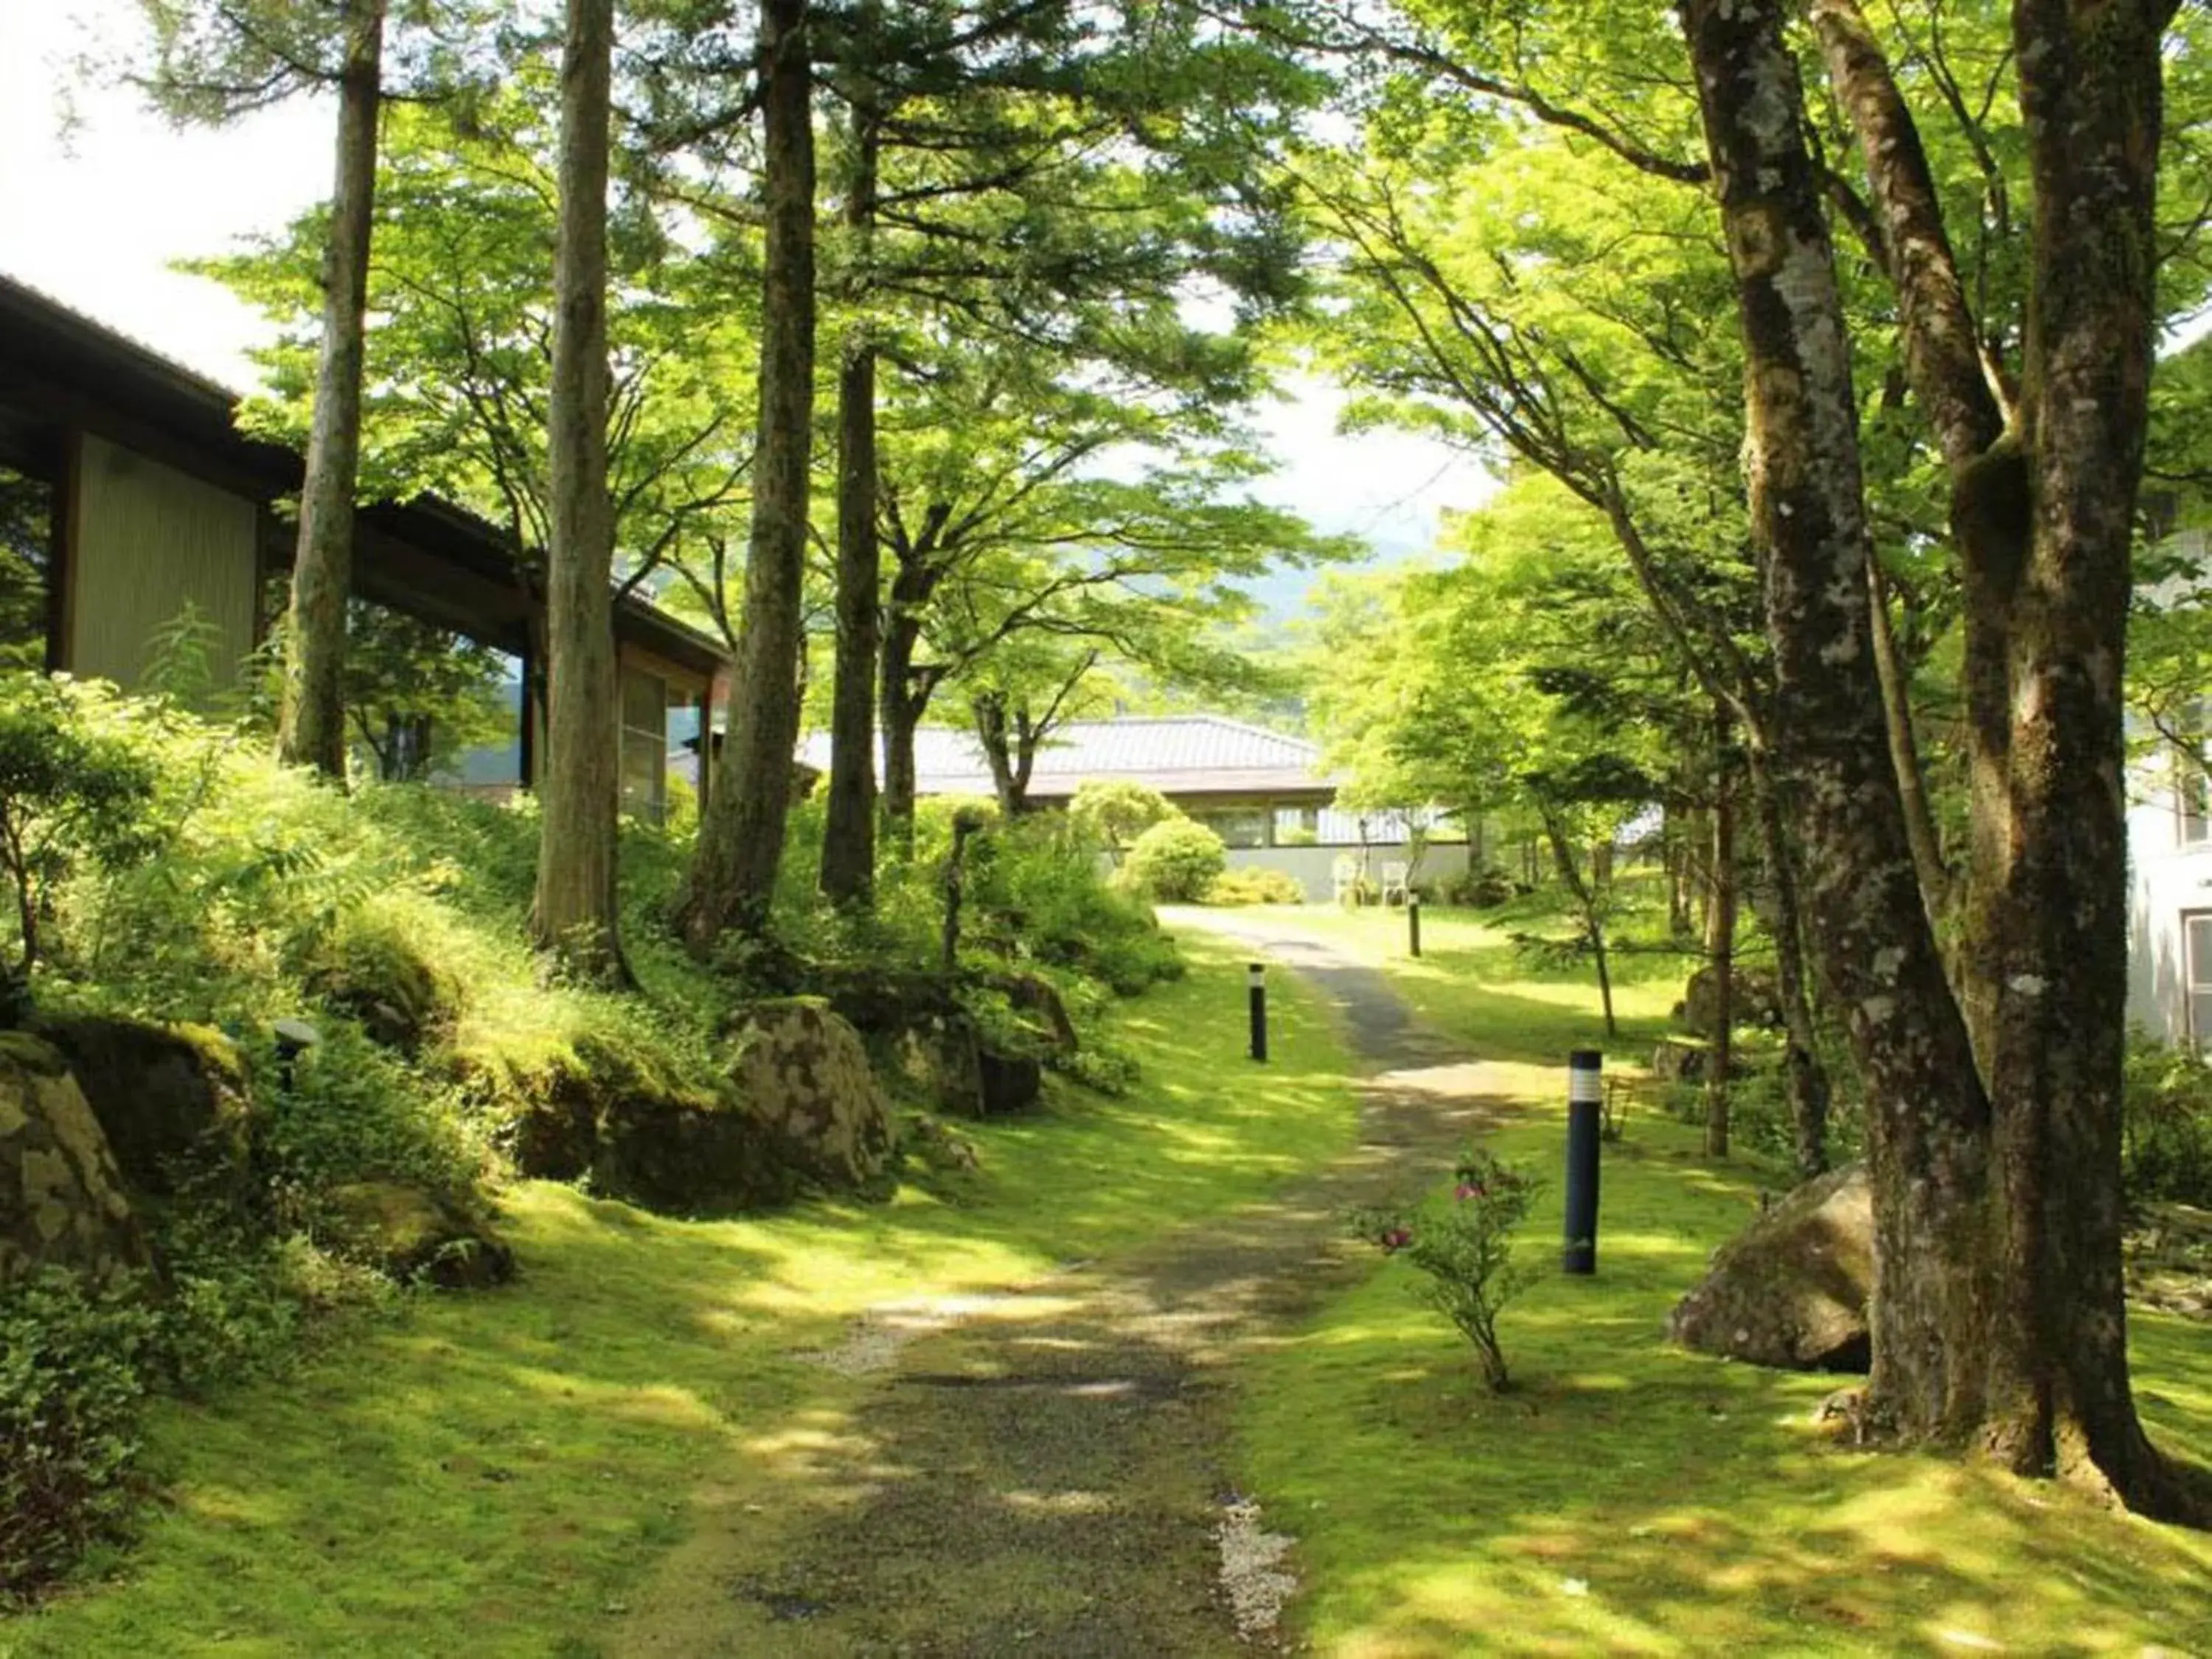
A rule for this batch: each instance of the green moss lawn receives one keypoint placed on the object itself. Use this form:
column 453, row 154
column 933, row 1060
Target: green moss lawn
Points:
column 495, row 1474
column 500, row 1474
column 1632, row 1498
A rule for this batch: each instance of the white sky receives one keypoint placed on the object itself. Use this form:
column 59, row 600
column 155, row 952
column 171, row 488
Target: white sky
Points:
column 96, row 216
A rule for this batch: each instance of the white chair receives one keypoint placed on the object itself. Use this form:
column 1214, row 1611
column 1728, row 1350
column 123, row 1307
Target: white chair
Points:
column 1344, row 877
column 1393, row 882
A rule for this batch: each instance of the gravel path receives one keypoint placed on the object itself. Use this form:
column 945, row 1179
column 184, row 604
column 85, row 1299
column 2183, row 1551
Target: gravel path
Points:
column 1046, row 1471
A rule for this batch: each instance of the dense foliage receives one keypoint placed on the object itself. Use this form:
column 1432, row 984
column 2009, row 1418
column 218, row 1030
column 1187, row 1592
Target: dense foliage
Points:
column 1175, row 861
column 218, row 889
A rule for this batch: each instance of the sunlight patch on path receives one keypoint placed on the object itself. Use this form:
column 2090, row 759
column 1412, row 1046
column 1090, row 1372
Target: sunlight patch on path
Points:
column 1257, row 1588
column 878, row 1336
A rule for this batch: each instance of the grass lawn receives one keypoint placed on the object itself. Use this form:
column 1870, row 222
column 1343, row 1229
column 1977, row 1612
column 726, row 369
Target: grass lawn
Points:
column 1472, row 981
column 1631, row 1497
column 493, row 1474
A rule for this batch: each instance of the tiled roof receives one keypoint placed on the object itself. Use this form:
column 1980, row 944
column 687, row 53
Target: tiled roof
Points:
column 1177, row 755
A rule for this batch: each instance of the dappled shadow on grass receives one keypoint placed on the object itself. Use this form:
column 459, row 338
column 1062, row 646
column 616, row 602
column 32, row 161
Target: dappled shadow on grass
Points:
column 1630, row 1497
column 1047, row 1475
column 496, row 1473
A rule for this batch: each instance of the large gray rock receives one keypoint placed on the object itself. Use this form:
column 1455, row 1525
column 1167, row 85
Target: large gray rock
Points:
column 175, row 1100
column 61, row 1201
column 1756, row 997
column 804, row 1077
column 1791, row 1290
column 689, row 1155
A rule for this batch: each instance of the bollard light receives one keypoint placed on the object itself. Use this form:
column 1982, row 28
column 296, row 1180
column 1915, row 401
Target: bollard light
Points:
column 1414, row 923
column 1585, row 1089
column 1258, row 996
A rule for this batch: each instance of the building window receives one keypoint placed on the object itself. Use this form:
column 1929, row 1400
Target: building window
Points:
column 2196, row 954
column 644, row 744
column 2193, row 779
column 27, row 546
column 1238, row 826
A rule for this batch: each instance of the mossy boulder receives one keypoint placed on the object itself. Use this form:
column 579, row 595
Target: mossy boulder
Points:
column 1791, row 1290
column 1037, row 1001
column 922, row 1034
column 1755, row 997
column 1011, row 1083
column 941, row 1064
column 803, row 1075
column 691, row 1155
column 175, row 1100
column 372, row 969
column 62, row 1197
column 556, row 1130
column 411, row 1233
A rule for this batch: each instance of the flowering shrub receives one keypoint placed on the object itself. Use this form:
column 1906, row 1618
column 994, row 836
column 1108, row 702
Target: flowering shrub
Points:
column 1464, row 1244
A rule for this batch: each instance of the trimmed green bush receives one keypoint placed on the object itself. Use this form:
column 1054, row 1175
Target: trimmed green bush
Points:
column 1249, row 886
column 1176, row 861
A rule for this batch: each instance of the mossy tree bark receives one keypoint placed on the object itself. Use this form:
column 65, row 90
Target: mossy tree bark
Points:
column 1720, row 943
column 920, row 560
column 311, row 710
column 574, row 917
column 2091, row 86
column 1998, row 1314
column 741, row 836
column 1805, row 1076
column 848, row 836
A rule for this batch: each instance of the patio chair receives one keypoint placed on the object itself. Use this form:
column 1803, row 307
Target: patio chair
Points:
column 1343, row 879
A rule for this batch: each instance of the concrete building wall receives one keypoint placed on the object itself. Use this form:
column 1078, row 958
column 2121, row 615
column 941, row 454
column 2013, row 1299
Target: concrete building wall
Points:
column 148, row 539
column 1314, row 867
column 2167, row 881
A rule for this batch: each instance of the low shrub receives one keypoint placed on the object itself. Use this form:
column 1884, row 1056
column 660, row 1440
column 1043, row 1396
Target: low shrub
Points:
column 349, row 1109
column 2167, row 1130
column 1176, row 861
column 72, row 1363
column 1464, row 1244
column 1480, row 888
column 1761, row 1123
column 1254, row 886
column 1110, row 815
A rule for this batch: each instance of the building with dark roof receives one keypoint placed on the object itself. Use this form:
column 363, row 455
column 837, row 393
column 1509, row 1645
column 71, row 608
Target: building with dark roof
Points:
column 127, row 492
column 1267, row 794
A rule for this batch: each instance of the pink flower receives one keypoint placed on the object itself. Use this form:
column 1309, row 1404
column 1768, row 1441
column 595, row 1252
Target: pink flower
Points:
column 1467, row 1190
column 1395, row 1238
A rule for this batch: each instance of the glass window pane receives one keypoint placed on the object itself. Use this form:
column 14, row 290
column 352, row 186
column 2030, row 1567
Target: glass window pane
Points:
column 2198, row 930
column 27, row 530
column 644, row 701
column 644, row 774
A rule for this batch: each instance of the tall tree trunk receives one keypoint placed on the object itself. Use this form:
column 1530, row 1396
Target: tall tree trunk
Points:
column 311, row 711
column 1677, row 872
column 1927, row 1116
column 1588, row 903
column 741, row 838
column 994, row 735
column 575, row 914
column 902, row 692
column 2091, row 88
column 2041, row 514
column 1720, row 944
column 1805, row 1077
column 1904, row 744
column 1998, row 1308
column 848, row 836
